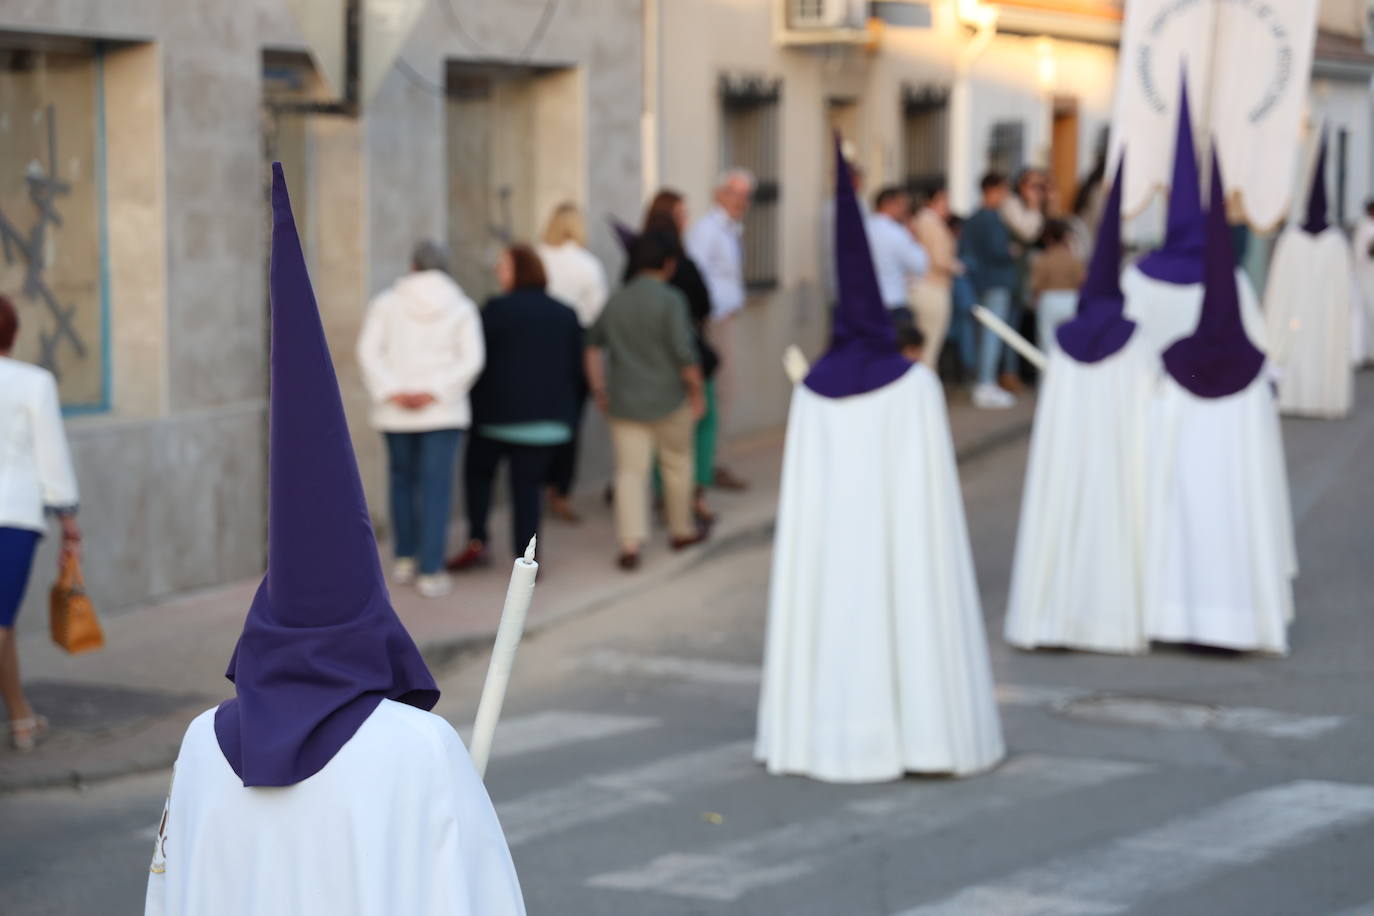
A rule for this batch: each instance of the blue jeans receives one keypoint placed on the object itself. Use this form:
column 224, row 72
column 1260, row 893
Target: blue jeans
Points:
column 998, row 301
column 421, row 471
column 963, row 327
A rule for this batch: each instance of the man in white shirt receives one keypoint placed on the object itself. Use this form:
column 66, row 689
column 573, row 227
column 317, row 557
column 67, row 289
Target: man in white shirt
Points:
column 715, row 243
column 898, row 258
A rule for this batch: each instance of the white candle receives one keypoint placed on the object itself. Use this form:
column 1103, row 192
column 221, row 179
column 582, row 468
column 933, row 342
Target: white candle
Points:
column 1010, row 335
column 795, row 365
column 508, row 633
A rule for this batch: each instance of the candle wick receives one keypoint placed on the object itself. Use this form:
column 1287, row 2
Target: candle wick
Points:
column 529, row 551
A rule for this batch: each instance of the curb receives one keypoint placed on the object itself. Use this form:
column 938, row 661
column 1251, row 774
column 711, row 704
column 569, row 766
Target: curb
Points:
column 444, row 655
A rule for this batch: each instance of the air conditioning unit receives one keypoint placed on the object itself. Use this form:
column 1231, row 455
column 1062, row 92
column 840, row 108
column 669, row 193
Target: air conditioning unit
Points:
column 827, row 15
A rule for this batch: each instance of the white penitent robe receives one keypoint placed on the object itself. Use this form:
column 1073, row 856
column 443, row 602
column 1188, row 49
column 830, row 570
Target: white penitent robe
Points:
column 1363, row 254
column 876, row 662
column 1167, row 312
column 1080, row 548
column 1308, row 306
column 398, row 822
column 1221, row 557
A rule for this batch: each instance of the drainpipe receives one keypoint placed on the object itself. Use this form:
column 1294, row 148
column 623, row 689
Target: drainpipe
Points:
column 650, row 129
column 961, row 153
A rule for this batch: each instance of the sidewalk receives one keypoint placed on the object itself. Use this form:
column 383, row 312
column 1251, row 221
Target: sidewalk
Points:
column 123, row 710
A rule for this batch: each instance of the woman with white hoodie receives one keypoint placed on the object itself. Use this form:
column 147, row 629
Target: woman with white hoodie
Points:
column 421, row 351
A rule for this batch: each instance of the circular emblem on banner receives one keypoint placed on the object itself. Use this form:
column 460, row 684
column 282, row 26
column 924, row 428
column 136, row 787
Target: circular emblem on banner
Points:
column 1269, row 44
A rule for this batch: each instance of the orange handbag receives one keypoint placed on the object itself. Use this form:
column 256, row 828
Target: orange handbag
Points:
column 74, row 625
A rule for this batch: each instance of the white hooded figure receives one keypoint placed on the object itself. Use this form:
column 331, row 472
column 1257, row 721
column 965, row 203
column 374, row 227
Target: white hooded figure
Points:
column 1363, row 254
column 1080, row 549
column 876, row 660
column 1308, row 302
column 1220, row 558
column 324, row 786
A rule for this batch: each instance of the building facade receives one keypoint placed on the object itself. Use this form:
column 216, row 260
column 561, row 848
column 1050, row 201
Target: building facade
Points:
column 134, row 140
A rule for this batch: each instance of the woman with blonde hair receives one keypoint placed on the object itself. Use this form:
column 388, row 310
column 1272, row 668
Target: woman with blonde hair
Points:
column 577, row 279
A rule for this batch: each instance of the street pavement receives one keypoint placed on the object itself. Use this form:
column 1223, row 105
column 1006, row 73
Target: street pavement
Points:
column 1183, row 782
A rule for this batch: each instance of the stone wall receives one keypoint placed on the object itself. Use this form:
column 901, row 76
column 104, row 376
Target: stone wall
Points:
column 173, row 475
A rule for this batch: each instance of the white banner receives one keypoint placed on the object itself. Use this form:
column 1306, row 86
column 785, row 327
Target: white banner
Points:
column 1249, row 64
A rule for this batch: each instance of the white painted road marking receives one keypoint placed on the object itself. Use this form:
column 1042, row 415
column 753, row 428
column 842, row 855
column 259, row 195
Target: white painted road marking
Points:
column 673, row 667
column 608, row 795
column 1071, row 702
column 728, row 871
column 1181, row 853
column 543, row 731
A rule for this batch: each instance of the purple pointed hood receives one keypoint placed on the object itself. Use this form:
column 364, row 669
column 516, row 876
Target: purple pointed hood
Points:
column 321, row 646
column 1316, row 222
column 1218, row 359
column 1100, row 327
column 1179, row 259
column 863, row 352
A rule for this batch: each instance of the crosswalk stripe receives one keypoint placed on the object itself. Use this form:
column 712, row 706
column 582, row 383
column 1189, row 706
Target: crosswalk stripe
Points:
column 1366, row 910
column 1181, row 853
column 546, row 730
column 674, row 667
column 728, row 871
column 609, row 795
column 1073, row 702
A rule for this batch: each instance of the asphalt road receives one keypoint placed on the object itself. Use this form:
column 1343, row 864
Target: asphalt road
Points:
column 1178, row 783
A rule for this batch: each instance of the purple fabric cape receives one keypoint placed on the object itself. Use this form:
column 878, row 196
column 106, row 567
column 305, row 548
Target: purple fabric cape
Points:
column 1316, row 222
column 1100, row 328
column 863, row 353
column 1179, row 259
column 321, row 646
column 1218, row 359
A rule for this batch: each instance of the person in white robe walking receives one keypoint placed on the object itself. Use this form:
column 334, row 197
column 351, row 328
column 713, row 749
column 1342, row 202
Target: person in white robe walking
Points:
column 876, row 661
column 1308, row 304
column 324, row 787
column 1080, row 548
column 1220, row 557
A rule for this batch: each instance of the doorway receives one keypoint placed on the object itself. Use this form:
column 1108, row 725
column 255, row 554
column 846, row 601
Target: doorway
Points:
column 1064, row 153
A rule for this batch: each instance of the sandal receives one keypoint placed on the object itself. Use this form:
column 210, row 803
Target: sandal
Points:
column 24, row 733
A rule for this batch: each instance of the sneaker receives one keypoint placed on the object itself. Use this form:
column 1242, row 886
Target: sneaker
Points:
column 403, row 573
column 990, row 397
column 435, row 586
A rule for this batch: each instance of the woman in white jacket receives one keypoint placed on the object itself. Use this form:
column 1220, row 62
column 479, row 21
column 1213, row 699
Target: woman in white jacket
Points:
column 35, row 477
column 421, row 350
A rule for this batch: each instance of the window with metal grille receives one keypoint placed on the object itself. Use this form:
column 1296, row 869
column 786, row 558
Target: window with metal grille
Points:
column 925, row 132
column 749, row 139
column 1007, row 147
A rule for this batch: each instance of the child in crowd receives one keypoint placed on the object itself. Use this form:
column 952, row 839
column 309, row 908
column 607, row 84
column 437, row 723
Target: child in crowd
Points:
column 1055, row 278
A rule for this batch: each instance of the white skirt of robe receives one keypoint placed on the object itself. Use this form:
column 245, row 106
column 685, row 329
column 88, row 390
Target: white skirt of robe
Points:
column 1308, row 305
column 876, row 661
column 1080, row 547
column 1221, row 557
column 397, row 822
column 1166, row 312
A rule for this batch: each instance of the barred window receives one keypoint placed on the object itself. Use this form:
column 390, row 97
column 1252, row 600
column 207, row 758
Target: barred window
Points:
column 925, row 129
column 749, row 139
column 1007, row 148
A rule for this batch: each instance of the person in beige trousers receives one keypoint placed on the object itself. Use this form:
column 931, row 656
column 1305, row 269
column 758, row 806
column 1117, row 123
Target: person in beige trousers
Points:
column 931, row 298
column 643, row 370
